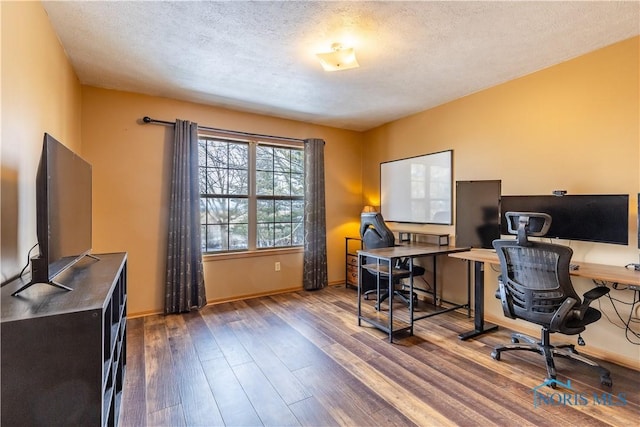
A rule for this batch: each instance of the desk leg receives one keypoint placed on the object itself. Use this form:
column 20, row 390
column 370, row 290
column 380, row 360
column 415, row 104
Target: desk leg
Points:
column 390, row 297
column 435, row 282
column 360, row 262
column 411, row 295
column 478, row 305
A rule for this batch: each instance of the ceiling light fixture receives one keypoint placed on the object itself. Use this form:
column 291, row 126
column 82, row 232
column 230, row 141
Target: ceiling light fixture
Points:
column 338, row 59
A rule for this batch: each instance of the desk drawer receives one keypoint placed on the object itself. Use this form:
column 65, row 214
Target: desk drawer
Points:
column 352, row 274
column 352, row 260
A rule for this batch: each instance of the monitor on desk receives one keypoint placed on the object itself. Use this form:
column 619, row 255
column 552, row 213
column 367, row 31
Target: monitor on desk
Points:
column 602, row 218
column 477, row 213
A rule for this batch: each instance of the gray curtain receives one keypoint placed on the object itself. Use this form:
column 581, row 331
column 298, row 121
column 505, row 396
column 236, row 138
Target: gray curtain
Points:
column 314, row 270
column 185, row 279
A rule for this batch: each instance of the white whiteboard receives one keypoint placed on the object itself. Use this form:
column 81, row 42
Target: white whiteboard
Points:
column 417, row 189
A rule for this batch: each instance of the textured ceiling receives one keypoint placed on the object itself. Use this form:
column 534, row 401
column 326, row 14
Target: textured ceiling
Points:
column 260, row 56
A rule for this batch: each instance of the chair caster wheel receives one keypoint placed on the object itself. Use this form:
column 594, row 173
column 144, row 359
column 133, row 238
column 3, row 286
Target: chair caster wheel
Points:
column 550, row 383
column 606, row 381
column 495, row 354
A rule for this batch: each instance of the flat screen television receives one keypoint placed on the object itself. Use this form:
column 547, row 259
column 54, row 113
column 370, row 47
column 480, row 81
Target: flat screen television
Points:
column 602, row 218
column 63, row 212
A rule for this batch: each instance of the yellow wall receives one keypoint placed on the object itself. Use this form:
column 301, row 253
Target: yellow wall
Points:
column 573, row 126
column 131, row 171
column 40, row 93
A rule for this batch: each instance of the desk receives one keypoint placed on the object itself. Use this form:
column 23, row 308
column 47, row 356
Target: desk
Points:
column 605, row 273
column 385, row 258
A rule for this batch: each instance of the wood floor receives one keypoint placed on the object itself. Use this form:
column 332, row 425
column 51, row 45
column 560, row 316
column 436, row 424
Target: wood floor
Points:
column 300, row 359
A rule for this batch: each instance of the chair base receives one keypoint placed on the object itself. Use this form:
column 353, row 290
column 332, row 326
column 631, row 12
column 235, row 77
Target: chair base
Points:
column 402, row 294
column 545, row 348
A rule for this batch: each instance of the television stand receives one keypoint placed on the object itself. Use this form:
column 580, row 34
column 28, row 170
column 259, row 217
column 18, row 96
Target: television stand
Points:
column 63, row 354
column 35, row 265
column 51, row 283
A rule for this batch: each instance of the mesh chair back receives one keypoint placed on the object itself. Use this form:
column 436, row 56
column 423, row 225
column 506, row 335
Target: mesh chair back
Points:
column 536, row 278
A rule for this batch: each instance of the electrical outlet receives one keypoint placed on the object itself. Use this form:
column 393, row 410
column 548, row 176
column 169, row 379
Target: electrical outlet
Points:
column 277, row 266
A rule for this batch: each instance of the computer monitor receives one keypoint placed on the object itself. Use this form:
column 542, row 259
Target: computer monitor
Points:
column 600, row 218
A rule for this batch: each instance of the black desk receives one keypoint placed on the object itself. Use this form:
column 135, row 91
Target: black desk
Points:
column 605, row 273
column 385, row 258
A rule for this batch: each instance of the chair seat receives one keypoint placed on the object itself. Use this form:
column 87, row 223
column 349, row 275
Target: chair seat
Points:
column 591, row 315
column 383, row 269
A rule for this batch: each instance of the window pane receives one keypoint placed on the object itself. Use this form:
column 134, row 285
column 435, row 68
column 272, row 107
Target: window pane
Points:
column 238, row 155
column 216, row 238
column 265, row 236
column 265, row 211
column 297, row 185
column 202, row 180
column 264, row 158
column 282, row 160
column 238, row 181
column 282, row 186
column 239, row 211
column 297, row 161
column 297, row 234
column 238, row 236
column 203, row 211
column 297, row 211
column 217, row 210
column 283, row 211
column 216, row 181
column 283, row 235
column 217, row 154
column 264, row 183
column 202, row 152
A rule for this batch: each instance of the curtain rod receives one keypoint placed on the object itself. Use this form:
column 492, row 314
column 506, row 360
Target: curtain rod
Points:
column 147, row 119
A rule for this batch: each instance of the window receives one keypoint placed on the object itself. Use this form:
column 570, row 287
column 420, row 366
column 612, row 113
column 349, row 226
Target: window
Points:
column 251, row 194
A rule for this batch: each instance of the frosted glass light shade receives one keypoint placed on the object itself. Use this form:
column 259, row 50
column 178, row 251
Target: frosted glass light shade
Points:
column 339, row 59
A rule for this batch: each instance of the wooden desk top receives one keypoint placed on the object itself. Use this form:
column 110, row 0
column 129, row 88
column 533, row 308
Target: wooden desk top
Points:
column 608, row 273
column 411, row 250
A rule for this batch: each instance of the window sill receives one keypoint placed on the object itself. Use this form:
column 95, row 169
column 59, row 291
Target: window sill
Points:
column 251, row 254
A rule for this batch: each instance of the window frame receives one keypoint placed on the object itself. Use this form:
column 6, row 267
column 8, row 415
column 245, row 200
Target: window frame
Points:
column 252, row 236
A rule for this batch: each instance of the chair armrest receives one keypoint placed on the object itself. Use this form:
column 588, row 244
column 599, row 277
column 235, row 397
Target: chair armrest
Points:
column 560, row 316
column 594, row 294
column 505, row 299
column 588, row 297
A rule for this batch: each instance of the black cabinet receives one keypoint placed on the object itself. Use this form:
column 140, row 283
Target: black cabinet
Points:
column 64, row 352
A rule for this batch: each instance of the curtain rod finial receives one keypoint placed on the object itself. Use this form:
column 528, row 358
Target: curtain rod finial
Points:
column 146, row 119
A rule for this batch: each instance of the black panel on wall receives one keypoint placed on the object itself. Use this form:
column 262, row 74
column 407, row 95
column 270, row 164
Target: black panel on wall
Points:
column 477, row 213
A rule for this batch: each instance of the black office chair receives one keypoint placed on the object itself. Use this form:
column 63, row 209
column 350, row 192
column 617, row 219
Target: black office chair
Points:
column 535, row 285
column 375, row 234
